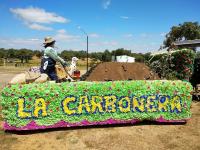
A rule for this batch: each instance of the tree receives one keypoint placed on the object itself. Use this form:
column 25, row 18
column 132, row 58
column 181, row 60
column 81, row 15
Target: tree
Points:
column 11, row 53
column 185, row 31
column 37, row 53
column 80, row 54
column 121, row 51
column 67, row 55
column 147, row 56
column 96, row 55
column 2, row 52
column 106, row 57
column 24, row 54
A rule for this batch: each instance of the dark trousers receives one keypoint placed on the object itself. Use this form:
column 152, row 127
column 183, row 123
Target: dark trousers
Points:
column 48, row 67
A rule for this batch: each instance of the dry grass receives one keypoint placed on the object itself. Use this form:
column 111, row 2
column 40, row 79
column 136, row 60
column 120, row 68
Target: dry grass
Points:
column 7, row 140
column 13, row 69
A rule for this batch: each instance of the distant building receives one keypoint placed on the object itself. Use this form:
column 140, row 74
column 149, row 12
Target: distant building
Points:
column 123, row 58
column 193, row 44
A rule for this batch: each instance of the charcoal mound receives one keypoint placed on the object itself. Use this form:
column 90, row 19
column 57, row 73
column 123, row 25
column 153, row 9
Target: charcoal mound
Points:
column 115, row 71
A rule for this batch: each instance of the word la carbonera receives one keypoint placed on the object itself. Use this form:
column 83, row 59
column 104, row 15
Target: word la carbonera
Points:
column 73, row 105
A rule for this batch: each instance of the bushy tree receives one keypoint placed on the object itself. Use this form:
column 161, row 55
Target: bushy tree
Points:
column 107, row 56
column 38, row 53
column 11, row 53
column 96, row 55
column 2, row 52
column 24, row 54
column 67, row 54
column 121, row 51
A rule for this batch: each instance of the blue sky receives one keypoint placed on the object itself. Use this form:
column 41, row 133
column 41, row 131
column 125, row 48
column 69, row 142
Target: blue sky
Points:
column 138, row 25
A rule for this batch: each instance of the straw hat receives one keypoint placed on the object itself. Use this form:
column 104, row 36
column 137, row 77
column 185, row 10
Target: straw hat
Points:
column 48, row 40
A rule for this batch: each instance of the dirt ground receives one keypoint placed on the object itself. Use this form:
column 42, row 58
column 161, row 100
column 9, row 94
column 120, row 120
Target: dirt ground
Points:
column 141, row 136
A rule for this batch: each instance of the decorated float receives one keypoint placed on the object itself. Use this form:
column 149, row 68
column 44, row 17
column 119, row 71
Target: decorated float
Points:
column 41, row 106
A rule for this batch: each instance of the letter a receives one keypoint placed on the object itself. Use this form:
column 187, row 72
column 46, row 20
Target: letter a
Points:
column 40, row 106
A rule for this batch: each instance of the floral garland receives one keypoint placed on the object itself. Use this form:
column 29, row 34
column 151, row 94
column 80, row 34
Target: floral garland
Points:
column 177, row 64
column 183, row 63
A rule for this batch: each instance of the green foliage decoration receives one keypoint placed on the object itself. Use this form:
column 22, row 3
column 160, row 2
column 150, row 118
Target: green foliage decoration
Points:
column 54, row 94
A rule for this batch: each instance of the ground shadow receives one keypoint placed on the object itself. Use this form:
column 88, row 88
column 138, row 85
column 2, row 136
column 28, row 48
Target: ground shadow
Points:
column 146, row 122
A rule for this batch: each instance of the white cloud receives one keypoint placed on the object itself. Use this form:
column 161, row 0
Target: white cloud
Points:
column 124, row 17
column 38, row 15
column 128, row 35
column 104, row 43
column 163, row 34
column 63, row 36
column 30, row 43
column 94, row 35
column 106, row 4
column 34, row 17
column 145, row 35
column 36, row 26
column 61, row 31
column 34, row 39
column 111, row 43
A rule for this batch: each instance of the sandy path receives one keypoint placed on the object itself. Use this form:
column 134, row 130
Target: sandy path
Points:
column 5, row 78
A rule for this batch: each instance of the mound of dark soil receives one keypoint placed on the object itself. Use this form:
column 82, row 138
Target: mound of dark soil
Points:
column 112, row 71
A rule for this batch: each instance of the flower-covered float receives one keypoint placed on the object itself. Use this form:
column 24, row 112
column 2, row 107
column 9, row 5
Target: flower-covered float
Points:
column 40, row 106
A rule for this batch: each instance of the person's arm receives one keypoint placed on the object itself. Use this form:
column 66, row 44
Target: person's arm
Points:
column 53, row 54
